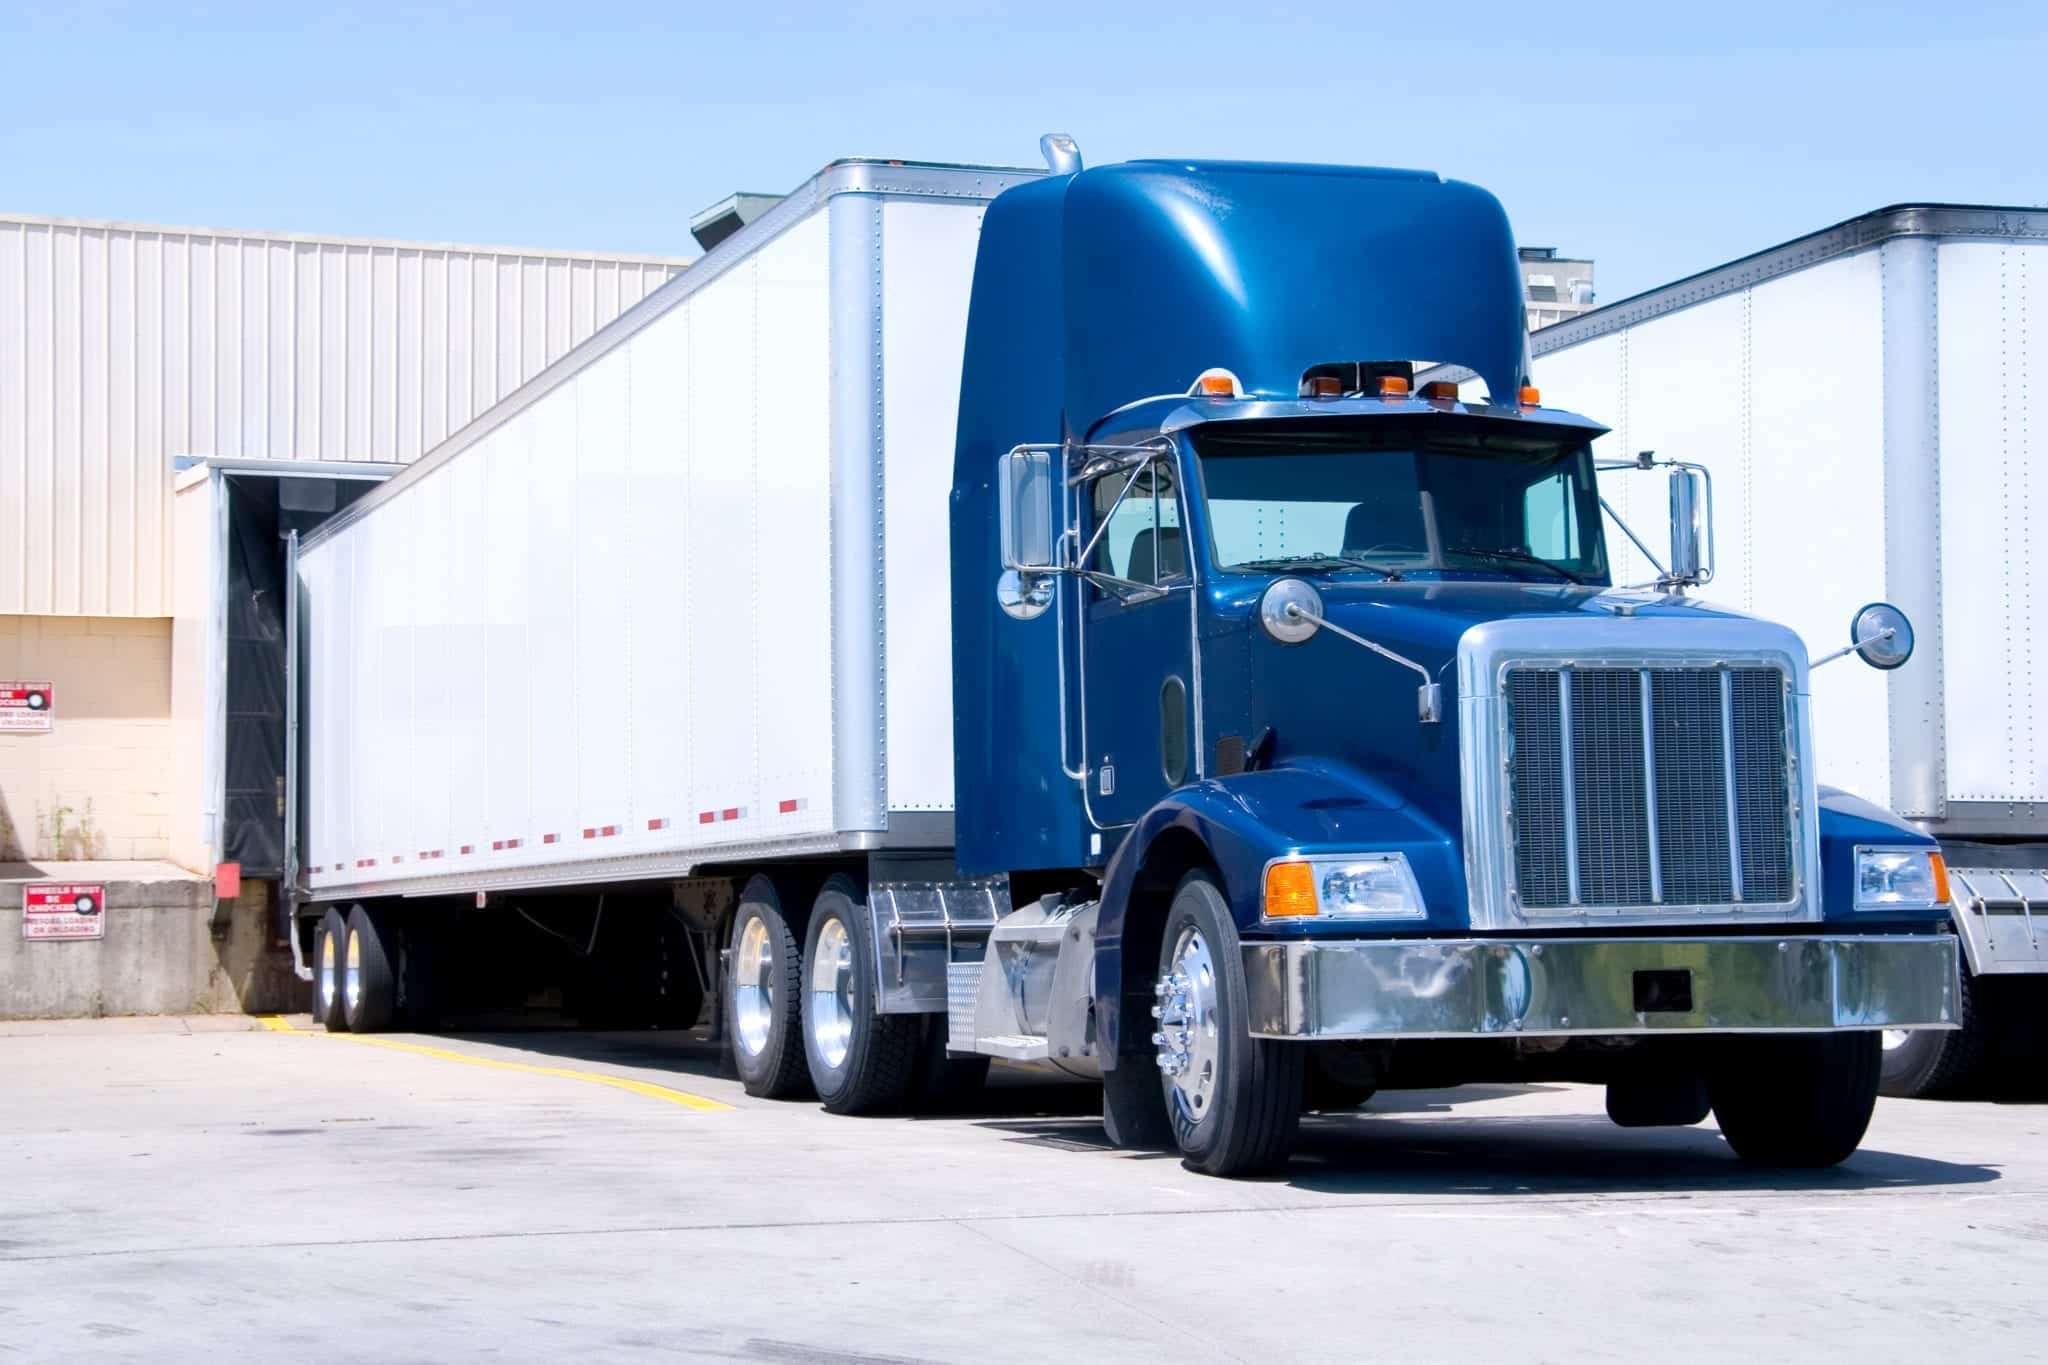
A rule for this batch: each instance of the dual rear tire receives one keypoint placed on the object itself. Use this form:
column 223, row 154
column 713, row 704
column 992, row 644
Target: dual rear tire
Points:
column 806, row 1021
column 356, row 959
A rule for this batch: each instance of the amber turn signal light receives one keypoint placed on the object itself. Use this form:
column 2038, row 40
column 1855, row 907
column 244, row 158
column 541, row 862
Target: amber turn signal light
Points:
column 1393, row 386
column 1290, row 890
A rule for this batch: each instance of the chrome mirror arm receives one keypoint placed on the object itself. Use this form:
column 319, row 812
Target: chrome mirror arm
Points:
column 1429, row 698
column 1887, row 633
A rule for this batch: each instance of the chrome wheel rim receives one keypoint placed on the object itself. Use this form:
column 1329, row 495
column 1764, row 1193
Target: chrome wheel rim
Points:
column 352, row 975
column 326, row 973
column 1188, row 1041
column 753, row 998
column 832, row 993
column 1895, row 1038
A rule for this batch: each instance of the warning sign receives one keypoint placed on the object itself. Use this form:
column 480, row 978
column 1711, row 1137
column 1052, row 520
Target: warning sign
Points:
column 64, row 910
column 26, row 706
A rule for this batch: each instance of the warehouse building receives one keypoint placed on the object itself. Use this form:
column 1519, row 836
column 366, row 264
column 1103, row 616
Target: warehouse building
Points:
column 152, row 378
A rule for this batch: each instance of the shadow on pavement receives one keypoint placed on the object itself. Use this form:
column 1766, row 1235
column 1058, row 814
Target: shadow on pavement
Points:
column 1384, row 1149
column 1403, row 1141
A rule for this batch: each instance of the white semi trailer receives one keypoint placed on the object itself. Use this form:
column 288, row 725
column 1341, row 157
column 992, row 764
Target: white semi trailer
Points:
column 1868, row 399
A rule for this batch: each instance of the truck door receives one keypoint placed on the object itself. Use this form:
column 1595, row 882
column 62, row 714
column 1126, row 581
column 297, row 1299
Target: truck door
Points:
column 1137, row 683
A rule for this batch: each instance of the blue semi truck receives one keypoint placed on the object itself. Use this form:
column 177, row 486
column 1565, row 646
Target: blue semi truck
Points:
column 1041, row 617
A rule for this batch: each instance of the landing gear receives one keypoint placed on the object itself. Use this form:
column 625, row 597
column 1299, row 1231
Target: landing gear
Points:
column 1234, row 1101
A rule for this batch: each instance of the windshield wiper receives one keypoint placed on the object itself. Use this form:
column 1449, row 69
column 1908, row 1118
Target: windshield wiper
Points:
column 1518, row 557
column 1318, row 558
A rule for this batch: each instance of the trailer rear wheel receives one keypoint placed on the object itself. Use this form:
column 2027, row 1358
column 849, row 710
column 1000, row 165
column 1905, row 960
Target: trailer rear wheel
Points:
column 1234, row 1100
column 862, row 1061
column 1926, row 1063
column 1796, row 1100
column 761, row 995
column 330, row 945
column 369, row 981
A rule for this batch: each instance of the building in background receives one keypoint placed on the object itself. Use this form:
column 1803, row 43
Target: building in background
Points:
column 126, row 349
column 1554, row 287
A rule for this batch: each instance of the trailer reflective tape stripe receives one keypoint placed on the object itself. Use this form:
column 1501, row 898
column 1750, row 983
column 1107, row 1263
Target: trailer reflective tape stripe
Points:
column 733, row 813
column 600, row 831
column 792, row 807
column 279, row 1024
column 466, row 848
column 657, row 824
column 706, row 817
column 550, row 838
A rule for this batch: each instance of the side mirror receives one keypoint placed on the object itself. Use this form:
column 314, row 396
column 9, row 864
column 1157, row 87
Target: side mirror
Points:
column 1024, row 487
column 1881, row 636
column 1692, row 518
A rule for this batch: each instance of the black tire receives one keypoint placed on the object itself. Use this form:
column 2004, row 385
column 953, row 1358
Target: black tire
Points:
column 1327, row 1085
column 1797, row 1100
column 330, row 947
column 1931, row 1063
column 945, row 1084
column 770, row 1058
column 371, row 956
column 874, row 1072
column 1249, row 1124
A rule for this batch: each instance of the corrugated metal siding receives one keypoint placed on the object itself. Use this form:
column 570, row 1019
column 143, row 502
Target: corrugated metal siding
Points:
column 123, row 347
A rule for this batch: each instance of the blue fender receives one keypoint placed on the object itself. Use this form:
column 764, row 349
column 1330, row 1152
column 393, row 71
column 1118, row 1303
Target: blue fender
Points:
column 1847, row 822
column 1243, row 822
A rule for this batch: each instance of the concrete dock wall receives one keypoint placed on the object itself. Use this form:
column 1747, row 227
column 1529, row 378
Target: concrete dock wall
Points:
column 169, row 948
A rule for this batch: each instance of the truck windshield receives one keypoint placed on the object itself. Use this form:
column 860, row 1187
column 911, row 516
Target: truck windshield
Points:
column 1398, row 502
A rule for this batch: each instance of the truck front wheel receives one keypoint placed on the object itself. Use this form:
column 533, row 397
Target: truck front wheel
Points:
column 1926, row 1063
column 1796, row 1100
column 761, row 997
column 861, row 1061
column 1234, row 1100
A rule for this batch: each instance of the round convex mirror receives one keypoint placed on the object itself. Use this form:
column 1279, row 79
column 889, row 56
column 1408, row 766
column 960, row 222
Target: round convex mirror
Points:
column 1282, row 624
column 1022, row 598
column 1882, row 635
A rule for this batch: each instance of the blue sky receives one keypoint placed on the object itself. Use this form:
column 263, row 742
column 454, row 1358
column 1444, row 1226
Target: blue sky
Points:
column 1660, row 139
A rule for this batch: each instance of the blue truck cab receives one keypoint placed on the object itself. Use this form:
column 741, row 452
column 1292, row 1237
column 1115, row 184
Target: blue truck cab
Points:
column 1297, row 708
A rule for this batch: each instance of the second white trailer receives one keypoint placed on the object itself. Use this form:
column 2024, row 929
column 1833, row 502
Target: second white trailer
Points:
column 1866, row 398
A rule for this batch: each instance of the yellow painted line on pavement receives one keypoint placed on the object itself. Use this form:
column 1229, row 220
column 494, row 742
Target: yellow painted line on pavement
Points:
column 277, row 1023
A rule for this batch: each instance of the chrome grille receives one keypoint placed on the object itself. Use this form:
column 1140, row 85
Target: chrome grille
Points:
column 1646, row 786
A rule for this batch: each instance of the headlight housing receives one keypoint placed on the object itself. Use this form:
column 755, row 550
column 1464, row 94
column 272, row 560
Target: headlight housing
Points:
column 1900, row 879
column 1356, row 886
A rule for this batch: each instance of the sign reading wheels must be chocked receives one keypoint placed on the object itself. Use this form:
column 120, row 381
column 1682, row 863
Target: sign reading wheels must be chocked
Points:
column 26, row 706
column 64, row 910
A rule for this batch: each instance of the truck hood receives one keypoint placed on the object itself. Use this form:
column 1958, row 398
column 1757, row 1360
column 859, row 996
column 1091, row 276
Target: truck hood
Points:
column 1329, row 697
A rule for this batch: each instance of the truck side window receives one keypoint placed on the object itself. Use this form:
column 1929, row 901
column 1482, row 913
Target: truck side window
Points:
column 1143, row 543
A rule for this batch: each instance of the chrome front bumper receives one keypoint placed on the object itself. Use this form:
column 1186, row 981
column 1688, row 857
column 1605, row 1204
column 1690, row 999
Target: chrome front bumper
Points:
column 1461, row 988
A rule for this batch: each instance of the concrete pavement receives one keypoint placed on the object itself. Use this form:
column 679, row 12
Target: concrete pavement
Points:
column 177, row 1194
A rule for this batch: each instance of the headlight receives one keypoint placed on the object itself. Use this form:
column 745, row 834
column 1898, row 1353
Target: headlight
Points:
column 1360, row 886
column 1902, row 878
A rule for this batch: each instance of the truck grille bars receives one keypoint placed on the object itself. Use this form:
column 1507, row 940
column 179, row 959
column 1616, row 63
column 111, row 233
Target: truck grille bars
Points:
column 1645, row 786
